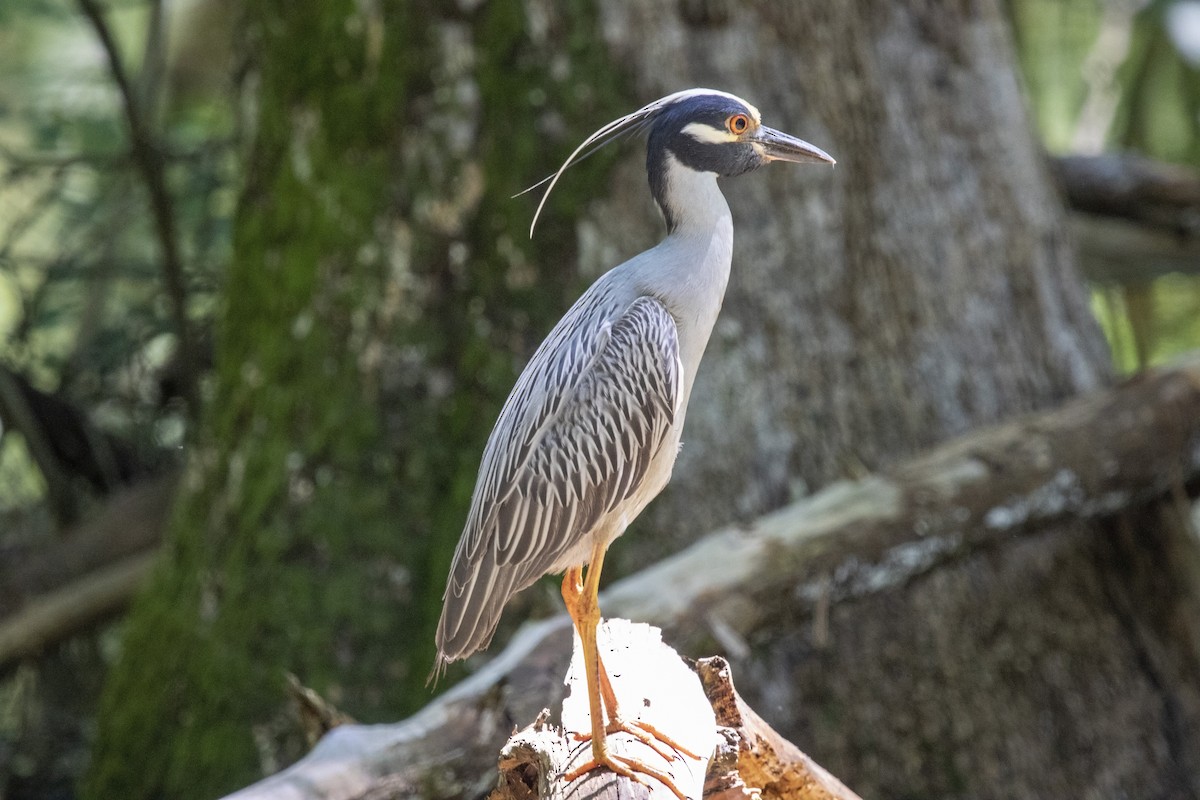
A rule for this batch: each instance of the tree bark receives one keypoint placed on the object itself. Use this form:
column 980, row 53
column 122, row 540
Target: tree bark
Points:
column 864, row 300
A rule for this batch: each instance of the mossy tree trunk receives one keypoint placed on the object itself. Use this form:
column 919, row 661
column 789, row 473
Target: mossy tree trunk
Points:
column 381, row 298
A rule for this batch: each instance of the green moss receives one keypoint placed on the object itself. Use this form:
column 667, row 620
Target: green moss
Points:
column 327, row 491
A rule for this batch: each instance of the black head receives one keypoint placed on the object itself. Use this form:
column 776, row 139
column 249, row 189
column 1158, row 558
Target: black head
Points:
column 711, row 131
column 707, row 132
column 703, row 130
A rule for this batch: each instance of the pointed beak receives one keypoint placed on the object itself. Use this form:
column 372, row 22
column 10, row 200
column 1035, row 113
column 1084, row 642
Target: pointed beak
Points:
column 779, row 146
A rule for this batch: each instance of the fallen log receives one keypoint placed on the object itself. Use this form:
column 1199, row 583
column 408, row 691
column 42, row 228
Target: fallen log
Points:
column 58, row 615
column 697, row 706
column 130, row 522
column 84, row 577
column 1096, row 457
column 737, row 754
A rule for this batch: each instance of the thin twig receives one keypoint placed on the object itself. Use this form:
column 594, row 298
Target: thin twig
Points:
column 17, row 413
column 149, row 159
column 19, row 163
column 153, row 60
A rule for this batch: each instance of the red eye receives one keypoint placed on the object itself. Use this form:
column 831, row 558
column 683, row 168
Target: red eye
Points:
column 737, row 124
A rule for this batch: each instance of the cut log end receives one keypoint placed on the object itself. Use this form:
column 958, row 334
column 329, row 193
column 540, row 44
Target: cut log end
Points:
column 737, row 755
column 654, row 688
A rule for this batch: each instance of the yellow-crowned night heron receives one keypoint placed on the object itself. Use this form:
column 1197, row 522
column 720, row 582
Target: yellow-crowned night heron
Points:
column 590, row 432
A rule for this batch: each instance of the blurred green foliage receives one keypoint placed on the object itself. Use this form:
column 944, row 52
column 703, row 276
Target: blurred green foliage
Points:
column 1121, row 75
column 82, row 310
column 1053, row 39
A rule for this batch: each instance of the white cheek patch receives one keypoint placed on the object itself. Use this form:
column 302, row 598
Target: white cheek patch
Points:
column 707, row 134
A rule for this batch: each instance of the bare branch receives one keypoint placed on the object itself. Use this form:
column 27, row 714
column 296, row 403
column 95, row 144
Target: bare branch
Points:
column 1135, row 219
column 22, row 162
column 148, row 157
column 125, row 524
column 73, row 608
column 17, row 414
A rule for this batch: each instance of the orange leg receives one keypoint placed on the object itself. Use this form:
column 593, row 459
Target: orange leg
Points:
column 580, row 595
column 644, row 732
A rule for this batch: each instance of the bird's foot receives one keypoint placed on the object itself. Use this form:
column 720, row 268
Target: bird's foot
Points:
column 648, row 735
column 626, row 767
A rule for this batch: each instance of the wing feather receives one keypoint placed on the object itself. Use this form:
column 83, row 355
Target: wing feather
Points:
column 574, row 441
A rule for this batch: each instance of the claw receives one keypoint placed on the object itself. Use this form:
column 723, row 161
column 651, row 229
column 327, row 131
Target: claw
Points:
column 629, row 768
column 650, row 734
column 645, row 733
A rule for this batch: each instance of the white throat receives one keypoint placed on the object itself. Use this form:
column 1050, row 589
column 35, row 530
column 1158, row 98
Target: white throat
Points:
column 689, row 269
column 692, row 201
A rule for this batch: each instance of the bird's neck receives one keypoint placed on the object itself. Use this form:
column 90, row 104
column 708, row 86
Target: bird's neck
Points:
column 689, row 270
column 690, row 201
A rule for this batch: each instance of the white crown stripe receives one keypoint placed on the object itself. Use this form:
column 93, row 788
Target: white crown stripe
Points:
column 707, row 134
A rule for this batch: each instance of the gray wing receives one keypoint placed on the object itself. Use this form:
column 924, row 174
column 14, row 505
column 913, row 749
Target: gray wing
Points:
column 574, row 440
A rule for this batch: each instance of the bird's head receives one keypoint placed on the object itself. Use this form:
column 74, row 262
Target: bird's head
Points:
column 711, row 131
column 705, row 130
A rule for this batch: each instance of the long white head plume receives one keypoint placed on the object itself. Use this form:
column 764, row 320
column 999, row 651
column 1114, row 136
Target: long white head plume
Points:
column 610, row 132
